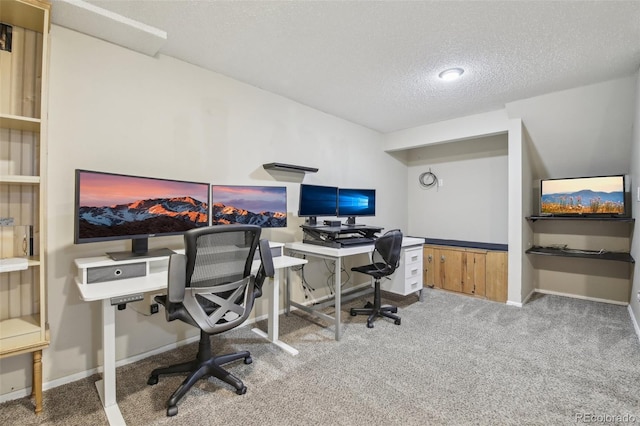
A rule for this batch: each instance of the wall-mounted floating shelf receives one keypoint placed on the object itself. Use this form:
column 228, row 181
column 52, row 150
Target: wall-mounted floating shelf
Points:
column 593, row 218
column 289, row 168
column 587, row 254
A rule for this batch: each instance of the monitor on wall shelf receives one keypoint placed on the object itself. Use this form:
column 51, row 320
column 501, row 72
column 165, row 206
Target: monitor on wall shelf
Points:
column 111, row 206
column 594, row 196
column 356, row 202
column 265, row 206
column 316, row 200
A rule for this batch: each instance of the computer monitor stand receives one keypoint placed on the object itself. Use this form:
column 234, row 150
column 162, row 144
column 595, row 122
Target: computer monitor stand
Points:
column 351, row 221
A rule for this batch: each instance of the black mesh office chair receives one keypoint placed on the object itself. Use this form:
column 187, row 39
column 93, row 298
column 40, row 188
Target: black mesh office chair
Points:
column 385, row 259
column 211, row 287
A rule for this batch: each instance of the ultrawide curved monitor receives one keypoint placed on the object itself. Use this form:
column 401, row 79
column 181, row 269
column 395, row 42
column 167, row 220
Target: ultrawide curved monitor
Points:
column 111, row 206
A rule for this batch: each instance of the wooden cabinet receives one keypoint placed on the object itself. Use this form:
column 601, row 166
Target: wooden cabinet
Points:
column 474, row 268
column 449, row 265
column 429, row 263
column 23, row 113
column 482, row 273
column 496, row 283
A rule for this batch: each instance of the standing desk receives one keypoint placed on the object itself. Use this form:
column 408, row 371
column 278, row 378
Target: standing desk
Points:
column 336, row 255
column 154, row 281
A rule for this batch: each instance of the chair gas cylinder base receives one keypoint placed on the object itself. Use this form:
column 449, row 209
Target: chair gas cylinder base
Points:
column 376, row 309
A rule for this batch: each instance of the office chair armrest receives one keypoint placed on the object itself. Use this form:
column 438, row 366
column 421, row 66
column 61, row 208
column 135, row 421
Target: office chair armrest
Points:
column 177, row 278
column 266, row 267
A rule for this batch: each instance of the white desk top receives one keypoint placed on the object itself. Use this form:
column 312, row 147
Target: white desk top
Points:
column 347, row 251
column 153, row 282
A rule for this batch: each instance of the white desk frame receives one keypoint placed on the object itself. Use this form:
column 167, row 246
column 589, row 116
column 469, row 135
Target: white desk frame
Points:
column 336, row 255
column 154, row 281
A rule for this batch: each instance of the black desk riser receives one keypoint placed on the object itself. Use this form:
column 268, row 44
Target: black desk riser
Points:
column 332, row 236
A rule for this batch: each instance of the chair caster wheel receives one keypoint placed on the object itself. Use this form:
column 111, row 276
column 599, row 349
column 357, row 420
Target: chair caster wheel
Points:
column 394, row 310
column 369, row 325
column 397, row 322
column 353, row 314
column 248, row 360
column 153, row 380
column 172, row 411
column 242, row 390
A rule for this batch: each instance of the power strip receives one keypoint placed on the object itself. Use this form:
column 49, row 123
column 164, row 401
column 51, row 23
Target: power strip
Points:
column 122, row 300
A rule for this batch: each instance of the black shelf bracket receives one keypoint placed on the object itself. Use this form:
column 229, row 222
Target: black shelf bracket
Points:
column 289, row 168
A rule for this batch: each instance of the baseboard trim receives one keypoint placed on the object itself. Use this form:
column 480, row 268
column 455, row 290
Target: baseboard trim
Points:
column 636, row 327
column 576, row 296
column 521, row 304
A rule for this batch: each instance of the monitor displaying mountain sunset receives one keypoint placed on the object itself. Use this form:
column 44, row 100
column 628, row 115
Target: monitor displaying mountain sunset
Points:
column 111, row 206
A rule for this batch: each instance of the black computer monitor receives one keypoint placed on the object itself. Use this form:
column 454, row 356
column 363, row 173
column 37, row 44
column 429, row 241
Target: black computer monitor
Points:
column 356, row 202
column 316, row 200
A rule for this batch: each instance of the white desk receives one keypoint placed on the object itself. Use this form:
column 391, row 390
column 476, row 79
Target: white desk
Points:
column 154, row 281
column 336, row 255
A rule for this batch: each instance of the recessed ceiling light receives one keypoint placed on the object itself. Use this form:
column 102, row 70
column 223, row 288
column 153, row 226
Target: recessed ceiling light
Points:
column 451, row 74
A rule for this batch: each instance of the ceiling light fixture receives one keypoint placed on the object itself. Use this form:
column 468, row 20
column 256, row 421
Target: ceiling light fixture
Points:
column 451, row 74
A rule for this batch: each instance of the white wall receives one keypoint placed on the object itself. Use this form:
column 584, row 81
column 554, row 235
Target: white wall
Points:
column 584, row 131
column 635, row 208
column 115, row 110
column 528, row 273
column 471, row 205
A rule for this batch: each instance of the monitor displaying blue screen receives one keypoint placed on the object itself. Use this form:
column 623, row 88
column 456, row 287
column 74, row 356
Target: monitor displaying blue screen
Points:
column 356, row 202
column 317, row 200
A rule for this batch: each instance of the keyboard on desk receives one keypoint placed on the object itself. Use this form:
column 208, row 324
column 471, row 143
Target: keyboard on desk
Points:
column 355, row 241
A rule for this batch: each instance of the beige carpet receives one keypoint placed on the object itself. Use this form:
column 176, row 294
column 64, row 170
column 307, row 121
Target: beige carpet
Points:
column 454, row 360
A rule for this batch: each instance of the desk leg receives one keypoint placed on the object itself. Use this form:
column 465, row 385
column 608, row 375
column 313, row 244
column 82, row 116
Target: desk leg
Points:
column 337, row 280
column 36, row 389
column 287, row 294
column 273, row 321
column 107, row 386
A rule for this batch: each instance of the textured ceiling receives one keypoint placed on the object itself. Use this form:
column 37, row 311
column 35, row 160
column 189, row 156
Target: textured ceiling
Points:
column 376, row 63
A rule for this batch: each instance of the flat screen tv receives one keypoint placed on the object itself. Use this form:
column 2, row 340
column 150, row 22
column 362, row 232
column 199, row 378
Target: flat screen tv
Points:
column 356, row 202
column 583, row 196
column 111, row 206
column 317, row 200
column 265, row 206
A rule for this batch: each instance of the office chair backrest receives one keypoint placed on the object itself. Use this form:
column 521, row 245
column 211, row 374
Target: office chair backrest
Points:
column 388, row 247
column 220, row 254
column 213, row 280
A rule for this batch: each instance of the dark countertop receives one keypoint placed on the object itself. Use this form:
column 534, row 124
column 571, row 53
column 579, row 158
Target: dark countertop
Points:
column 468, row 244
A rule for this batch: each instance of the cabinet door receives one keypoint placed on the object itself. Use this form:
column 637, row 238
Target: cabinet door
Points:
column 496, row 281
column 428, row 262
column 474, row 273
column 450, row 269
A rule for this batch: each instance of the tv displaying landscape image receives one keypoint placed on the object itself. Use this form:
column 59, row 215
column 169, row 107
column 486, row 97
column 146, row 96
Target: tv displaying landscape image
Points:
column 602, row 195
column 112, row 206
column 265, row 206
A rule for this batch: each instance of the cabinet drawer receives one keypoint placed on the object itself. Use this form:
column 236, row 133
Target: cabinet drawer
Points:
column 413, row 255
column 412, row 270
column 412, row 284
